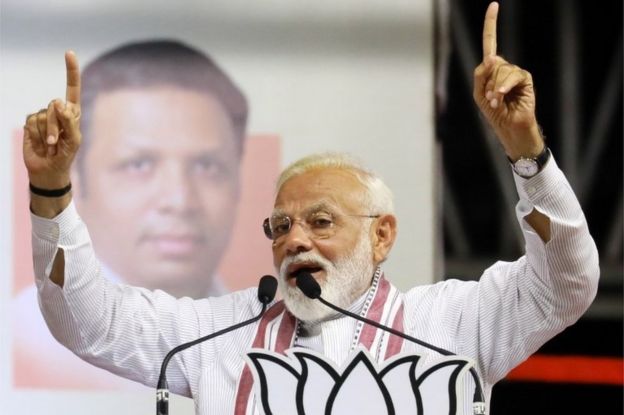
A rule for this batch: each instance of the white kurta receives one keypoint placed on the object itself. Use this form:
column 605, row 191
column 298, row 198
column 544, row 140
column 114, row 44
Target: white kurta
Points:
column 499, row 321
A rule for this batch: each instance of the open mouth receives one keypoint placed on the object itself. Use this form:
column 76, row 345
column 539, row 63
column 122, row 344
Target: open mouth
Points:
column 296, row 269
column 308, row 270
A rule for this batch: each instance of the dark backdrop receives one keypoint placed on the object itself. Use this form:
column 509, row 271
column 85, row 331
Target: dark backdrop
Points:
column 574, row 51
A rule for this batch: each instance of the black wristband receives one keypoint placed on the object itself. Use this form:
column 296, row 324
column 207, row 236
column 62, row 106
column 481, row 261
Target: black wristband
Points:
column 50, row 192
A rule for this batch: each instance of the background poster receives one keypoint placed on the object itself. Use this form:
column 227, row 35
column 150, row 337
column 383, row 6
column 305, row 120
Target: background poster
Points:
column 354, row 76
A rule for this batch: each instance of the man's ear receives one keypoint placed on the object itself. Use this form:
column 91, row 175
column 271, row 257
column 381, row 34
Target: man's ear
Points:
column 383, row 236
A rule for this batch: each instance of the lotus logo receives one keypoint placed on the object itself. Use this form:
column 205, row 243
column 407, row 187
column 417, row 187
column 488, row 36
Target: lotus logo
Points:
column 304, row 382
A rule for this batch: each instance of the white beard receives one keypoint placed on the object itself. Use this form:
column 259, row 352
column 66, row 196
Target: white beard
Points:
column 345, row 281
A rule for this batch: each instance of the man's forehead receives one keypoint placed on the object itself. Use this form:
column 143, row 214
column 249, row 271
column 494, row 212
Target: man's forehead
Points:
column 325, row 205
column 328, row 188
column 165, row 117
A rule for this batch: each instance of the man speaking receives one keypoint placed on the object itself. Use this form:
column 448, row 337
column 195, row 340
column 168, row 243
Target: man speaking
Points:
column 332, row 219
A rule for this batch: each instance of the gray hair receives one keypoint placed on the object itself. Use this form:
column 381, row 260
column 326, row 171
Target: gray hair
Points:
column 378, row 197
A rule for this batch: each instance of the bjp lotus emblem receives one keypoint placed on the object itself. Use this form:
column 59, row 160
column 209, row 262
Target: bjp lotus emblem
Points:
column 305, row 382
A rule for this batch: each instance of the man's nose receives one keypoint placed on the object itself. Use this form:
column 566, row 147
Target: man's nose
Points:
column 177, row 192
column 297, row 239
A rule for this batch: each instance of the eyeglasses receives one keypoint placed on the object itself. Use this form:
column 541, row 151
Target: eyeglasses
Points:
column 317, row 224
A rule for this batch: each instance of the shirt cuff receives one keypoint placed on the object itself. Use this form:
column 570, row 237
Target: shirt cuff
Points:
column 543, row 183
column 51, row 230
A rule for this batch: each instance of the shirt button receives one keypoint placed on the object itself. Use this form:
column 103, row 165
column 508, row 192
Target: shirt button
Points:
column 531, row 190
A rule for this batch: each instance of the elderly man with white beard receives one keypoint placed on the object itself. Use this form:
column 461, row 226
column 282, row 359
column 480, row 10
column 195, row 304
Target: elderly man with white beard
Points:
column 333, row 219
column 346, row 277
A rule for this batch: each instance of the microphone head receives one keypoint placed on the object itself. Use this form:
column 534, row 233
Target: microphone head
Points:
column 267, row 288
column 308, row 285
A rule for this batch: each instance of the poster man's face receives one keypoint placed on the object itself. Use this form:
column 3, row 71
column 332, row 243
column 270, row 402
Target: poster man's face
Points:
column 160, row 186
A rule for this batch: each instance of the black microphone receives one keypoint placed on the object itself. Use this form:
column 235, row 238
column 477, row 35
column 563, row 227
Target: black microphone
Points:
column 266, row 292
column 267, row 289
column 311, row 288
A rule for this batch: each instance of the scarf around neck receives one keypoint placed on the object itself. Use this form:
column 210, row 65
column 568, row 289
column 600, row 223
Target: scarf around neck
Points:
column 276, row 331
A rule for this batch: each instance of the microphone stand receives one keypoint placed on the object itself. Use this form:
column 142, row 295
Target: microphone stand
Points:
column 162, row 390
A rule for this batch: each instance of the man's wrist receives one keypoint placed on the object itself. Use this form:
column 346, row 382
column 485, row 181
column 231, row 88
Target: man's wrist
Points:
column 528, row 167
column 58, row 192
column 528, row 144
column 49, row 181
column 49, row 207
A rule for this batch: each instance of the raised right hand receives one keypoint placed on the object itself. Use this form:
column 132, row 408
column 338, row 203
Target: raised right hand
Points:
column 52, row 135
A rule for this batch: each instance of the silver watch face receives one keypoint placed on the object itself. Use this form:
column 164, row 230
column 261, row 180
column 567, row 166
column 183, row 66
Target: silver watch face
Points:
column 526, row 167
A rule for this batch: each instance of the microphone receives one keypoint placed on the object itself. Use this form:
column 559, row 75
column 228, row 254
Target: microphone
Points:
column 266, row 292
column 267, row 289
column 311, row 288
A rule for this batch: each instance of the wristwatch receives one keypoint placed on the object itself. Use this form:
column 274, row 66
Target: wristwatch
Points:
column 529, row 167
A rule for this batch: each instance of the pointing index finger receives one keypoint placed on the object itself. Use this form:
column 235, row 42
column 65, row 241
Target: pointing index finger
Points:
column 489, row 31
column 73, row 78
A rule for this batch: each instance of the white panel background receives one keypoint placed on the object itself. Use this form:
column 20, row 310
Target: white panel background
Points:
column 354, row 75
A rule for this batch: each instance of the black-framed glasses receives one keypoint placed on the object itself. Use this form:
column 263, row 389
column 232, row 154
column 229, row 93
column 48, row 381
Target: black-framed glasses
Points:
column 318, row 224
